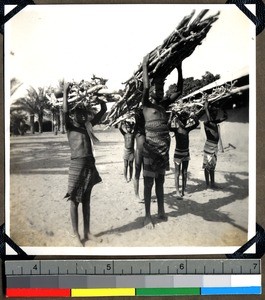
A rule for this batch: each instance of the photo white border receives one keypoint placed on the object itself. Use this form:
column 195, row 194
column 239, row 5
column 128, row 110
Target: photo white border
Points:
column 147, row 251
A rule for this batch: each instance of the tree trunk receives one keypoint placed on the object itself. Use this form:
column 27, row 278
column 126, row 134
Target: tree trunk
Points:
column 40, row 121
column 32, row 130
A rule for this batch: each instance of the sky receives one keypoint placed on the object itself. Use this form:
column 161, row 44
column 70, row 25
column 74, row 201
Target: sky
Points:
column 52, row 42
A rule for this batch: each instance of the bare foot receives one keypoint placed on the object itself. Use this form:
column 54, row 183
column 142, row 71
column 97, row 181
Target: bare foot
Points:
column 76, row 237
column 178, row 196
column 91, row 237
column 148, row 223
column 137, row 197
column 163, row 217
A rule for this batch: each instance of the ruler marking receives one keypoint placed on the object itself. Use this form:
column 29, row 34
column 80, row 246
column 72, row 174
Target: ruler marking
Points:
column 62, row 268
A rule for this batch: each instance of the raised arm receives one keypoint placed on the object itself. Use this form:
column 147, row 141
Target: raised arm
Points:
column 173, row 121
column 146, row 84
column 121, row 128
column 179, row 91
column 65, row 97
column 206, row 107
column 100, row 114
column 195, row 122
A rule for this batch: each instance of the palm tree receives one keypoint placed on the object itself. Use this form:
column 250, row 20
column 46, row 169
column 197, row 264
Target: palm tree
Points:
column 14, row 85
column 18, row 120
column 34, row 103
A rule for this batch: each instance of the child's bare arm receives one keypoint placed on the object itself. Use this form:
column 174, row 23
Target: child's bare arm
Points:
column 146, row 84
column 195, row 121
column 206, row 107
column 179, row 91
column 100, row 114
column 121, row 129
column 65, row 105
column 65, row 97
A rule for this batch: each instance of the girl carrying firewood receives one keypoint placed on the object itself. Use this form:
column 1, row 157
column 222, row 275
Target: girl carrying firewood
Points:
column 140, row 139
column 211, row 144
column 127, row 130
column 181, row 124
column 83, row 174
column 157, row 139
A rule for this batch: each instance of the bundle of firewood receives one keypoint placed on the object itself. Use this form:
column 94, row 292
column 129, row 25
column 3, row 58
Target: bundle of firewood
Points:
column 217, row 97
column 84, row 94
column 180, row 44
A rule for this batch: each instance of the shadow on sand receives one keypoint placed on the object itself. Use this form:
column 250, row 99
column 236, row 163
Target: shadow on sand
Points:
column 208, row 211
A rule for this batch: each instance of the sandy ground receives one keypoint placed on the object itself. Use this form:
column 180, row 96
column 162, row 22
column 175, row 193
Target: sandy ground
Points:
column 39, row 216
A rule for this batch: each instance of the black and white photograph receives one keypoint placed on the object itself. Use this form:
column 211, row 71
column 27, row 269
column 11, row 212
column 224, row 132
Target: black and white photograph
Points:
column 130, row 129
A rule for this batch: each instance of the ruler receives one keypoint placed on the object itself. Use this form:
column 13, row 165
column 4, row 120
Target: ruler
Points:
column 139, row 277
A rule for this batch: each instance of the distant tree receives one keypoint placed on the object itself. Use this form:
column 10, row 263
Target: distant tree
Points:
column 56, row 111
column 208, row 78
column 191, row 85
column 34, row 103
column 14, row 85
column 18, row 120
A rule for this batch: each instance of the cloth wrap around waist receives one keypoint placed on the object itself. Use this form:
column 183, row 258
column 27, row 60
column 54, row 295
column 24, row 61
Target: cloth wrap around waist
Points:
column 156, row 145
column 128, row 154
column 210, row 155
column 83, row 175
column 181, row 155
